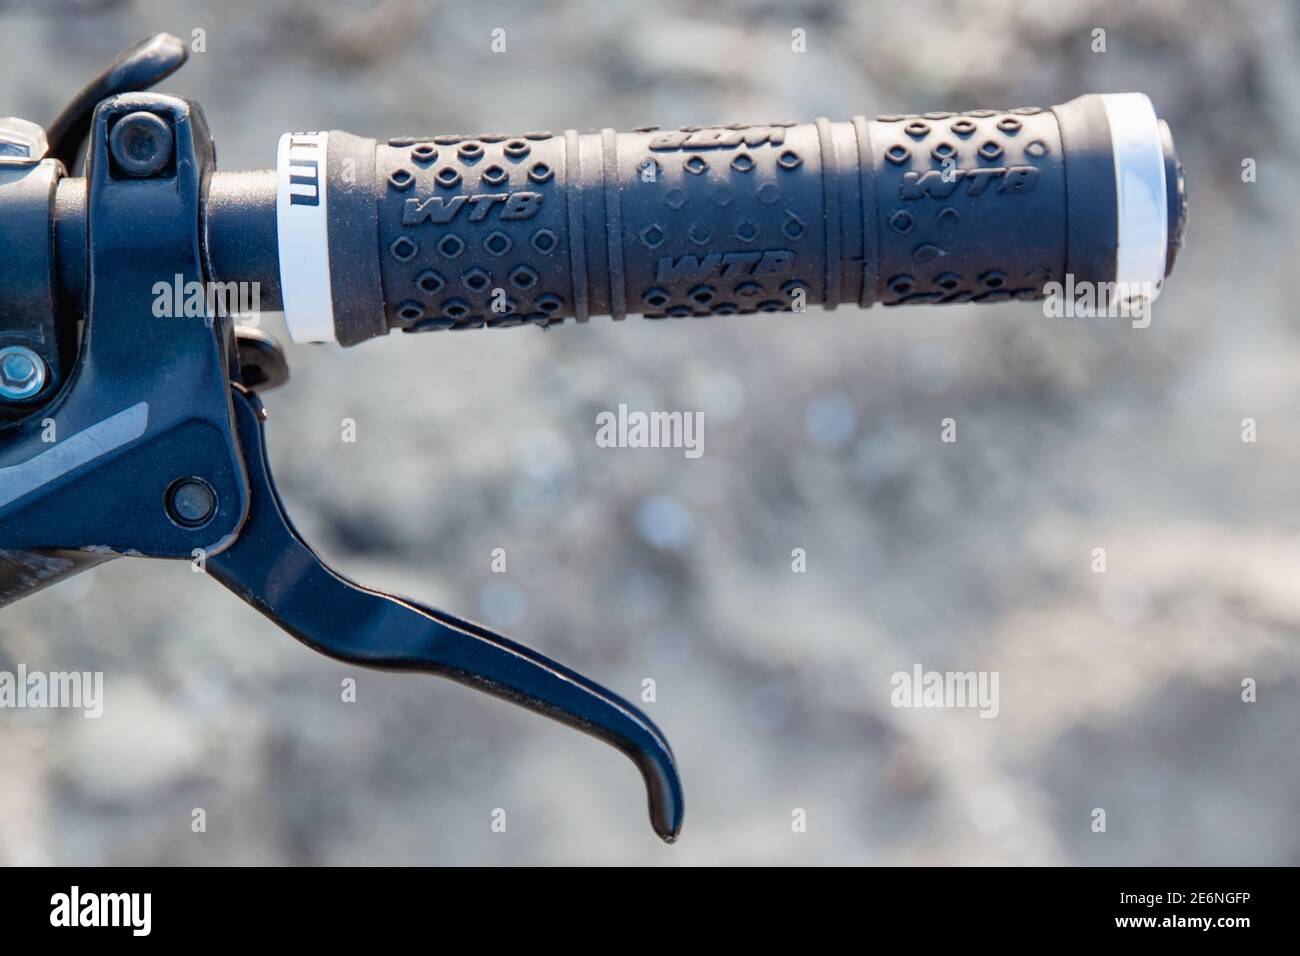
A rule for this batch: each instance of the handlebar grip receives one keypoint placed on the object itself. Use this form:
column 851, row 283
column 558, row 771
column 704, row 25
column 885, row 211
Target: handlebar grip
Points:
column 454, row 232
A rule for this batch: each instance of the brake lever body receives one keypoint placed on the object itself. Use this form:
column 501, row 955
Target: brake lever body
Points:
column 153, row 447
column 270, row 567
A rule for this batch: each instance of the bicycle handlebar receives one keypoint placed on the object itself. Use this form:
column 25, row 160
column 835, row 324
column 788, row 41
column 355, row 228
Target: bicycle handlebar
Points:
column 356, row 238
column 353, row 238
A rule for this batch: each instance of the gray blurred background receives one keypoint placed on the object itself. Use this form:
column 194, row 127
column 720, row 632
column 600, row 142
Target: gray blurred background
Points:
column 1119, row 690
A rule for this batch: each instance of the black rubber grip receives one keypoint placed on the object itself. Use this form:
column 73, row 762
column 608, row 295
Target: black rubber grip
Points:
column 716, row 220
column 495, row 230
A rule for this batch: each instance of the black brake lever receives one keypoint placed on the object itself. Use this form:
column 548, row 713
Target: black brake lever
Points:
column 270, row 567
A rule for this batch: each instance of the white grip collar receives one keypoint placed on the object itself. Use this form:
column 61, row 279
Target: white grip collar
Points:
column 302, row 222
column 1140, row 191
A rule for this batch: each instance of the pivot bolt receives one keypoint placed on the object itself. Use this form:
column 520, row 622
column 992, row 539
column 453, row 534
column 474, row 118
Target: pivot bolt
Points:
column 191, row 502
column 22, row 373
column 141, row 144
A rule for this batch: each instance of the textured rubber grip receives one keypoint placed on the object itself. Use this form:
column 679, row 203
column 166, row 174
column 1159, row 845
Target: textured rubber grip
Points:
column 720, row 220
column 495, row 230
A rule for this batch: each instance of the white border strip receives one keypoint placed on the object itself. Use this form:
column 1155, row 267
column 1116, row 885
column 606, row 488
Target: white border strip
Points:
column 302, row 221
column 1139, row 190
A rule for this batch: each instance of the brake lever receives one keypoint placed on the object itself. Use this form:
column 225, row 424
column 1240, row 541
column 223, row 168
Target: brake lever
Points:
column 270, row 567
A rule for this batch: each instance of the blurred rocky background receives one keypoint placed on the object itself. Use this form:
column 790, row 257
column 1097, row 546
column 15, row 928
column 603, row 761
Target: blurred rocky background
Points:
column 1119, row 690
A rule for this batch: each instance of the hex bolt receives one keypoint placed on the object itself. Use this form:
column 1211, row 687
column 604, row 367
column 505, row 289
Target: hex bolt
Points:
column 191, row 502
column 22, row 373
column 141, row 144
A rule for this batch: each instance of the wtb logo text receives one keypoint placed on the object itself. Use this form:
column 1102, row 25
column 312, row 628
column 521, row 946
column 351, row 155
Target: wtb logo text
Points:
column 723, row 264
column 940, row 183
column 440, row 210
column 718, row 137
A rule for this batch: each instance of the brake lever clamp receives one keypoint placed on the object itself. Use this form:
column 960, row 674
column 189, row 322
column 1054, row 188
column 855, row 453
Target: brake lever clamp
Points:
column 158, row 419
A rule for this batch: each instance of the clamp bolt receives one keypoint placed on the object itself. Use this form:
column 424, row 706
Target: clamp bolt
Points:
column 141, row 144
column 22, row 373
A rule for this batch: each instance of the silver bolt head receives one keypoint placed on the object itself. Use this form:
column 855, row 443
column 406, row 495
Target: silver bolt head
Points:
column 22, row 373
